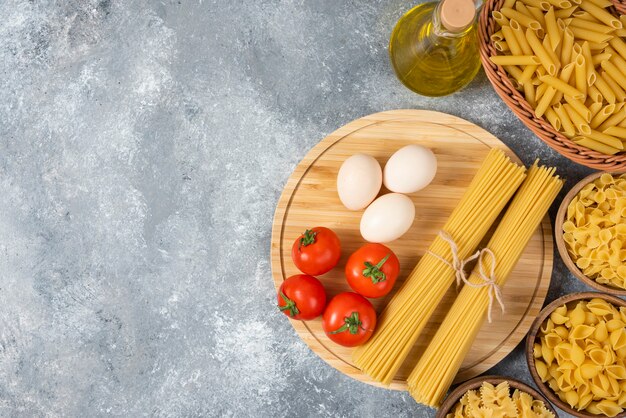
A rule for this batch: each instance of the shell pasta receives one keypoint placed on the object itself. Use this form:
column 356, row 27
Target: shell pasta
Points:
column 594, row 230
column 580, row 353
column 579, row 52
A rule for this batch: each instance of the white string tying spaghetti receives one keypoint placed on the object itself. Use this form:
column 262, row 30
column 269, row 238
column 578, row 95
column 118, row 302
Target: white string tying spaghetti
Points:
column 458, row 266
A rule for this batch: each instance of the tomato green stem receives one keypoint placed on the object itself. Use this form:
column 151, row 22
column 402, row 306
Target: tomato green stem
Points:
column 290, row 306
column 374, row 272
column 352, row 323
column 307, row 238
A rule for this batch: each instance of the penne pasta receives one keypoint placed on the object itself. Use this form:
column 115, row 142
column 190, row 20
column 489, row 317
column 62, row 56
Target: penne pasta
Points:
column 508, row 3
column 511, row 41
column 602, row 3
column 616, row 131
column 529, row 94
column 605, row 89
column 565, row 13
column 544, row 101
column 553, row 56
column 501, row 46
column 537, row 14
column 595, row 145
column 544, row 58
column 606, row 139
column 620, row 94
column 614, row 72
column 567, row 46
column 581, row 74
column 581, row 14
column 500, row 19
column 580, row 107
column 591, row 73
column 541, row 4
column 601, row 14
column 602, row 115
column 541, row 90
column 589, row 35
column 615, row 119
column 553, row 118
column 498, row 36
column 515, row 60
column 578, row 22
column 594, row 108
column 598, row 58
column 618, row 61
column 562, row 86
column 527, row 74
column 561, row 4
column 523, row 20
column 579, row 122
column 619, row 46
column 566, row 122
column 594, row 94
column 520, row 37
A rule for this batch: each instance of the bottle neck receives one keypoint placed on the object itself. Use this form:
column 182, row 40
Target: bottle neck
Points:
column 439, row 29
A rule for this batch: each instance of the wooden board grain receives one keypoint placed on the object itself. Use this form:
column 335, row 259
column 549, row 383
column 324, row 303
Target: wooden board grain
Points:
column 310, row 199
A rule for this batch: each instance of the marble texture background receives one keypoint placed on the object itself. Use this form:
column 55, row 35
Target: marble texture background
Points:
column 143, row 147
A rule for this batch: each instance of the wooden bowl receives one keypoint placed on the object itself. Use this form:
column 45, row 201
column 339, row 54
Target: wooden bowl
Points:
column 524, row 111
column 475, row 383
column 562, row 246
column 532, row 336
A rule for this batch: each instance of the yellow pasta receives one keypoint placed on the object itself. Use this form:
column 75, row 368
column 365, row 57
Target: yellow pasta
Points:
column 595, row 226
column 578, row 49
column 617, row 132
column 497, row 401
column 620, row 94
column 566, row 122
column 515, row 60
column 601, row 14
column 404, row 318
column 544, row 58
column 582, row 360
column 440, row 362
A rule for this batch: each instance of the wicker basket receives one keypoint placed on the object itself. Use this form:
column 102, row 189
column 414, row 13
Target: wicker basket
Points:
column 518, row 104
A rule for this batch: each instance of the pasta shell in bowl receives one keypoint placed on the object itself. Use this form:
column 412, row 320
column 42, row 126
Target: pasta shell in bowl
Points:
column 576, row 354
column 590, row 232
column 495, row 395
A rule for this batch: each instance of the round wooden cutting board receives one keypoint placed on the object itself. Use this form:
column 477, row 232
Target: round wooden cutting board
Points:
column 310, row 199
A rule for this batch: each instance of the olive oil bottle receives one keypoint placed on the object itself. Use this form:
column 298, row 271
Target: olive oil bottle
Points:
column 434, row 47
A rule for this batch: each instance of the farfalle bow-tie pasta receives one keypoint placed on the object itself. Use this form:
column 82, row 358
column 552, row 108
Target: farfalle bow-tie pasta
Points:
column 580, row 353
column 497, row 402
column 595, row 230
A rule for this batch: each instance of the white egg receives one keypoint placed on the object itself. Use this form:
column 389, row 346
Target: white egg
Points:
column 410, row 169
column 387, row 218
column 359, row 181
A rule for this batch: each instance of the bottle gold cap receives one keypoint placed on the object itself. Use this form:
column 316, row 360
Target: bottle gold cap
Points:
column 457, row 15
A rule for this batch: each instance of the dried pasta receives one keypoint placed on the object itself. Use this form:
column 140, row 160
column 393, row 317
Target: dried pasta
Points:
column 544, row 46
column 497, row 401
column 404, row 318
column 580, row 353
column 594, row 229
column 442, row 359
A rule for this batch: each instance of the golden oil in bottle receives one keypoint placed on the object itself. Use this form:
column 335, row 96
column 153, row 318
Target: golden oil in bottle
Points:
column 434, row 47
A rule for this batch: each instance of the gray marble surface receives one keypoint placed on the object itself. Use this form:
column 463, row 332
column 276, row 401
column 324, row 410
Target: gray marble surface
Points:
column 143, row 147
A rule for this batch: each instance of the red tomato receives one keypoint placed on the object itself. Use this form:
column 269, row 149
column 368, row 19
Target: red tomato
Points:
column 372, row 270
column 349, row 319
column 302, row 297
column 316, row 251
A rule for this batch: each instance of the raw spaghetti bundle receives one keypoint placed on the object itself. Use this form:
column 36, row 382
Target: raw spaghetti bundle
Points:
column 434, row 373
column 409, row 310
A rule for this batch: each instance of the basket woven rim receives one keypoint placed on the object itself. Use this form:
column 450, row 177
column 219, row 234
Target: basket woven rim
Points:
column 521, row 108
